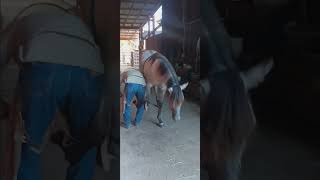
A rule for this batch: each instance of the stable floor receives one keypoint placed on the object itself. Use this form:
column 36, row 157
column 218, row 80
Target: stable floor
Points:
column 169, row 153
column 275, row 155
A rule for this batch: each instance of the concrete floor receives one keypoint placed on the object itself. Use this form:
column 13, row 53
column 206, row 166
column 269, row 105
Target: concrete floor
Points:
column 169, row 153
column 54, row 166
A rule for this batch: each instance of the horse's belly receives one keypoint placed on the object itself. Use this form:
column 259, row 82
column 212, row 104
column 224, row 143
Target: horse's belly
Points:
column 154, row 78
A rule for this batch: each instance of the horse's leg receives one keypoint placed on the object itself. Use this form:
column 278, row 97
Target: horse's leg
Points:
column 147, row 95
column 160, row 92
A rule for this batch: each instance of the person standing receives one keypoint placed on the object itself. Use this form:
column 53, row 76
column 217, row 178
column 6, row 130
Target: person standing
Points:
column 134, row 87
column 61, row 70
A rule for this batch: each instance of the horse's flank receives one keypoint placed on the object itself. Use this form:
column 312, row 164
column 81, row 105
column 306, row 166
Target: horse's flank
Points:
column 159, row 72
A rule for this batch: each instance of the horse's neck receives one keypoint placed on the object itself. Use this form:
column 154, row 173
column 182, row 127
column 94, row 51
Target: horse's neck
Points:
column 172, row 81
column 173, row 78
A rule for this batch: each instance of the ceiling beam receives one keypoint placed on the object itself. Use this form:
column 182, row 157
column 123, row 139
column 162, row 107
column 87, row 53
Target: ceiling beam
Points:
column 143, row 16
column 137, row 9
column 127, row 39
column 153, row 11
column 130, row 9
column 140, row 1
column 126, row 27
column 138, row 14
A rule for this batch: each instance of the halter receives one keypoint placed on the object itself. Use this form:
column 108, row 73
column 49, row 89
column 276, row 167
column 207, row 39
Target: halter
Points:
column 175, row 85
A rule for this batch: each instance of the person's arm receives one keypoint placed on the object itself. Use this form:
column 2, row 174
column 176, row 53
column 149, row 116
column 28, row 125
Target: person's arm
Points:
column 15, row 41
column 123, row 77
column 7, row 45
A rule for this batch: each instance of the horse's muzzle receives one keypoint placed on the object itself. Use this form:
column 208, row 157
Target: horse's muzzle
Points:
column 176, row 116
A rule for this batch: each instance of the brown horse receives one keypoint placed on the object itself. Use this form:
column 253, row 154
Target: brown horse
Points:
column 227, row 118
column 159, row 73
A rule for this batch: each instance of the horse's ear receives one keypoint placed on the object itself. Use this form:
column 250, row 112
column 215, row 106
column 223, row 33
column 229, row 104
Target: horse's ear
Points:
column 170, row 90
column 184, row 86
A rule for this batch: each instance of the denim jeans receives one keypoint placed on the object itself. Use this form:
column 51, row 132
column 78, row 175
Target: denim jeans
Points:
column 132, row 90
column 46, row 88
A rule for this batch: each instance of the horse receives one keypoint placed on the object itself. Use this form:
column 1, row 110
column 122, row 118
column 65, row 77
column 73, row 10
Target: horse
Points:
column 227, row 117
column 160, row 75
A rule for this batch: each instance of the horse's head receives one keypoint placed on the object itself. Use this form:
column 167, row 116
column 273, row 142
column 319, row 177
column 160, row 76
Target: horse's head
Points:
column 176, row 99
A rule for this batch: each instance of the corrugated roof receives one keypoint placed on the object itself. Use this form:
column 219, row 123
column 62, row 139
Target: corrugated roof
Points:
column 134, row 14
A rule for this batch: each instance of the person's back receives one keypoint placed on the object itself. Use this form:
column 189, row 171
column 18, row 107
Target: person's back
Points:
column 135, row 76
column 52, row 35
column 58, row 60
column 135, row 86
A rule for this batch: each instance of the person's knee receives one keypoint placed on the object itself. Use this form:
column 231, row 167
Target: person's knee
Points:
column 128, row 105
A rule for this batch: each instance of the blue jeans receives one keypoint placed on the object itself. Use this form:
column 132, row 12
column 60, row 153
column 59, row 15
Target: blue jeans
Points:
column 45, row 89
column 132, row 90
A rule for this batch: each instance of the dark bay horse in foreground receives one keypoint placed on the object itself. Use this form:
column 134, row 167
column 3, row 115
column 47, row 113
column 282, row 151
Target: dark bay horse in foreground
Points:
column 160, row 74
column 227, row 118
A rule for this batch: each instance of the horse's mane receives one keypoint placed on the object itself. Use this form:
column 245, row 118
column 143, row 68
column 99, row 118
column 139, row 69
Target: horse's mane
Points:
column 226, row 117
column 166, row 68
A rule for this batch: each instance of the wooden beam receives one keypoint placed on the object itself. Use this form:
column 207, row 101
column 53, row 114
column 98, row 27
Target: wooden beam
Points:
column 121, row 38
column 148, row 26
column 140, row 1
column 157, row 6
column 126, row 27
column 137, row 9
column 130, row 9
column 153, row 26
column 143, row 17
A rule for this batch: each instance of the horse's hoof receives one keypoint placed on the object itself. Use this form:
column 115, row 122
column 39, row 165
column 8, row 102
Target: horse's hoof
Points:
column 161, row 124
